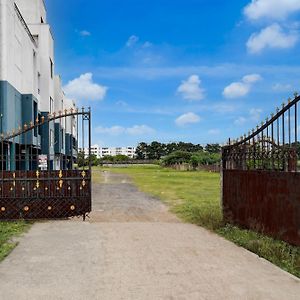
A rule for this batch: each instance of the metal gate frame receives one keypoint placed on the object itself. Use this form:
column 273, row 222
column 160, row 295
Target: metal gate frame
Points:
column 27, row 191
column 261, row 178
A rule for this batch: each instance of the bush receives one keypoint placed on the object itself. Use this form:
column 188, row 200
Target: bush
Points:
column 194, row 159
column 176, row 157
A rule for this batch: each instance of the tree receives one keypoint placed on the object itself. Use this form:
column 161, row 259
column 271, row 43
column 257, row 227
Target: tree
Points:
column 94, row 160
column 141, row 151
column 156, row 150
column 176, row 157
column 213, row 148
column 81, row 159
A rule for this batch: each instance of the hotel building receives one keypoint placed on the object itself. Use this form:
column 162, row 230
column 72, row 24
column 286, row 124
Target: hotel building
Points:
column 30, row 89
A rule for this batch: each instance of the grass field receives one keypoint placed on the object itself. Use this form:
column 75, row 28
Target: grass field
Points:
column 8, row 231
column 195, row 198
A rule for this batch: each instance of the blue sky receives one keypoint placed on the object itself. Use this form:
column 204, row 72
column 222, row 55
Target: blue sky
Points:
column 198, row 71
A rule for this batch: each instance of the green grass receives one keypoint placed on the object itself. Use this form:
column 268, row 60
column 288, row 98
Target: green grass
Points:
column 9, row 230
column 195, row 198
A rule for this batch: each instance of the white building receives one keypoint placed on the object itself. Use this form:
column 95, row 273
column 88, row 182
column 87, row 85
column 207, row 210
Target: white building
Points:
column 101, row 152
column 29, row 88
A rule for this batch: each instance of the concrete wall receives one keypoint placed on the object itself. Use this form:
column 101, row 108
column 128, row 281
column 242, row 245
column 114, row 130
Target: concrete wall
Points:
column 33, row 11
column 10, row 107
column 27, row 73
column 266, row 201
column 18, row 54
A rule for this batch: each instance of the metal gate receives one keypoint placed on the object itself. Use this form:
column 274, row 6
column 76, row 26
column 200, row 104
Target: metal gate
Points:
column 43, row 174
column 261, row 182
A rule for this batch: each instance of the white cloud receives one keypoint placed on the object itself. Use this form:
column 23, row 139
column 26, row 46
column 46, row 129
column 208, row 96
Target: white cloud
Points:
column 188, row 118
column 273, row 9
column 85, row 33
column 251, row 78
column 241, row 88
column 136, row 130
column 114, row 130
column 255, row 114
column 147, row 44
column 214, row 131
column 132, row 40
column 191, row 89
column 83, row 88
column 272, row 36
column 140, row 130
column 279, row 87
column 240, row 121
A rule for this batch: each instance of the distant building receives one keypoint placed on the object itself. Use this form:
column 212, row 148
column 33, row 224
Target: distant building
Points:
column 110, row 151
column 29, row 88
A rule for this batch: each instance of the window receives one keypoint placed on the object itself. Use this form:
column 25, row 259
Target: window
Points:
column 42, row 20
column 39, row 83
column 51, row 142
column 62, row 138
column 51, row 68
column 35, row 114
column 51, row 108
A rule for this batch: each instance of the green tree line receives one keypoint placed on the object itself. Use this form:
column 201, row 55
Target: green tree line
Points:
column 157, row 150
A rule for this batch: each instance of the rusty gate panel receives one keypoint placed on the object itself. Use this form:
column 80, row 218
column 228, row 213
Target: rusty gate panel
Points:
column 264, row 201
column 44, row 196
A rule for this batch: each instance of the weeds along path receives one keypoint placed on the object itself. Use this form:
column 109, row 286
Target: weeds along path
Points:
column 133, row 248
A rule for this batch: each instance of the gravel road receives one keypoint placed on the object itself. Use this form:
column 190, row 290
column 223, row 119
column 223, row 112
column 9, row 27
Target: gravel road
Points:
column 133, row 248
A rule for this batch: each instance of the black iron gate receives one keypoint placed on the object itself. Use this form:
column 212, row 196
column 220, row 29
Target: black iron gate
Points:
column 261, row 178
column 43, row 173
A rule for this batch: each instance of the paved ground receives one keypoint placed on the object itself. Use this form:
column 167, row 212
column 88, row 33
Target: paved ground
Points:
column 143, row 253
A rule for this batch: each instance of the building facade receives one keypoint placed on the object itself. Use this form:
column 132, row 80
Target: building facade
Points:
column 101, row 152
column 29, row 87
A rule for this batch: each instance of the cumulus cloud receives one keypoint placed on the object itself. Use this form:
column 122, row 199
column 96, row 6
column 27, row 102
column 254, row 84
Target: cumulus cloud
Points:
column 136, row 130
column 83, row 88
column 132, row 40
column 279, row 87
column 273, row 9
column 85, row 33
column 240, row 121
column 272, row 36
column 241, row 88
column 254, row 115
column 147, row 44
column 188, row 118
column 214, row 131
column 190, row 89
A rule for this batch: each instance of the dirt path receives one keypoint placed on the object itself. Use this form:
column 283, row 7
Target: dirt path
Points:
column 133, row 248
column 117, row 200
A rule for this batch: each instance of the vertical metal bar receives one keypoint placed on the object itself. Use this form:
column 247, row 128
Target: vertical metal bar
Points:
column 2, row 162
column 254, row 152
column 289, row 126
column 296, row 131
column 66, row 150
column 278, row 144
column 272, row 145
column 296, row 125
column 82, row 138
column 72, row 160
column 268, row 148
column 90, row 139
column 283, row 143
column 77, row 138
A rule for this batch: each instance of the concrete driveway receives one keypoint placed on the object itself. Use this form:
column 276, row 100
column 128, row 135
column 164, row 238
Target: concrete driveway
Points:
column 133, row 248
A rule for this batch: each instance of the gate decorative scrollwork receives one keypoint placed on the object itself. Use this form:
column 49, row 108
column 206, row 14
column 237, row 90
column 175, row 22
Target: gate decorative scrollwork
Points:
column 272, row 146
column 40, row 178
